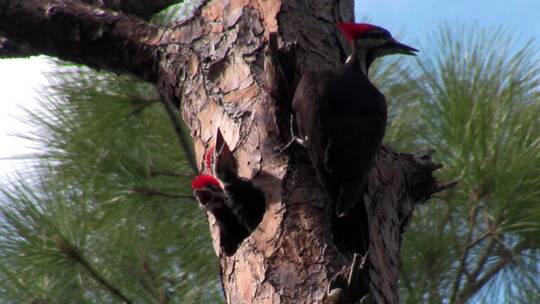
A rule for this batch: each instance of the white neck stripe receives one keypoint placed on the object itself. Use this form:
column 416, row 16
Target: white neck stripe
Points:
column 361, row 57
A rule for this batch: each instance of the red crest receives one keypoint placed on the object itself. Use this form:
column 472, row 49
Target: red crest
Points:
column 353, row 30
column 203, row 180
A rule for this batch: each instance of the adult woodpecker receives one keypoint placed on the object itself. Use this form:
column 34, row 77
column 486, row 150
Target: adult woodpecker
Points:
column 341, row 116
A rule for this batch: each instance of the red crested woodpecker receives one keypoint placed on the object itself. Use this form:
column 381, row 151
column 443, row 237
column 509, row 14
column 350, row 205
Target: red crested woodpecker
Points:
column 207, row 190
column 341, row 116
column 210, row 195
column 235, row 202
column 246, row 200
column 341, row 119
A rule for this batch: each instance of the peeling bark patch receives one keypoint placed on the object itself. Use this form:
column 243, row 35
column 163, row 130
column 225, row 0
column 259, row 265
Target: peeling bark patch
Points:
column 213, row 117
column 232, row 11
column 287, row 274
column 249, row 158
column 244, row 282
column 192, row 67
column 268, row 231
column 212, row 11
column 244, row 95
column 231, row 74
column 269, row 11
column 187, row 34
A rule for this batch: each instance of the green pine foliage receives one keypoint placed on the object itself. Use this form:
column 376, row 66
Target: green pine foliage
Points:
column 476, row 101
column 108, row 198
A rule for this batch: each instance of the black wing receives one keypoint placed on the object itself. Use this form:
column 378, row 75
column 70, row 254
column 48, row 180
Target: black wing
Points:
column 309, row 105
column 343, row 117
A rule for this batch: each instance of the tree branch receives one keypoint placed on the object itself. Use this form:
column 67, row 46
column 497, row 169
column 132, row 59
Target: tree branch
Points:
column 156, row 172
column 488, row 252
column 151, row 282
column 73, row 253
column 75, row 31
column 183, row 139
column 141, row 8
column 505, row 260
column 145, row 191
column 401, row 182
column 480, row 239
column 465, row 254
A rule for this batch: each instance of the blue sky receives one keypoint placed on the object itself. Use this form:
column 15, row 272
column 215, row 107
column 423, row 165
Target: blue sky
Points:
column 418, row 18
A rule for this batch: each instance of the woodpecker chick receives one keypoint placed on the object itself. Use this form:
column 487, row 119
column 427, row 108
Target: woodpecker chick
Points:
column 341, row 116
column 246, row 201
column 210, row 195
column 207, row 190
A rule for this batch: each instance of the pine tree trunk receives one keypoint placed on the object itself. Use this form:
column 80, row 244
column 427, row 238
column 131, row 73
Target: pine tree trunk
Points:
column 234, row 65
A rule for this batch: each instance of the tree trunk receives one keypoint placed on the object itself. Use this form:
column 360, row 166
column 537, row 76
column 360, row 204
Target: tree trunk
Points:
column 234, row 65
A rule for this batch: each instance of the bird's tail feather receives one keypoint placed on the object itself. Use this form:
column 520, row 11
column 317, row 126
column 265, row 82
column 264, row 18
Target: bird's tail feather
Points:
column 350, row 194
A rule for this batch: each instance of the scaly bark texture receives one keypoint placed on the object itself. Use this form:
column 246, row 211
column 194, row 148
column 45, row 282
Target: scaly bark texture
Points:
column 234, row 65
column 141, row 8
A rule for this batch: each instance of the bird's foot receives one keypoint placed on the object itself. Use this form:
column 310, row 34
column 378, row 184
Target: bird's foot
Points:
column 349, row 287
column 294, row 139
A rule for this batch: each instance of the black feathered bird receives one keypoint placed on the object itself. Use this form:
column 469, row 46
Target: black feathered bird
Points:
column 236, row 203
column 341, row 116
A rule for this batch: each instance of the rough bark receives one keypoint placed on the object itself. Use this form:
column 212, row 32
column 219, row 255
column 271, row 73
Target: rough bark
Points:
column 75, row 31
column 222, row 68
column 141, row 8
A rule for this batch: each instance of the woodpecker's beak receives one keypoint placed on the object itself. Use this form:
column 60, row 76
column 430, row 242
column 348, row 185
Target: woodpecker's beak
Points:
column 400, row 48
